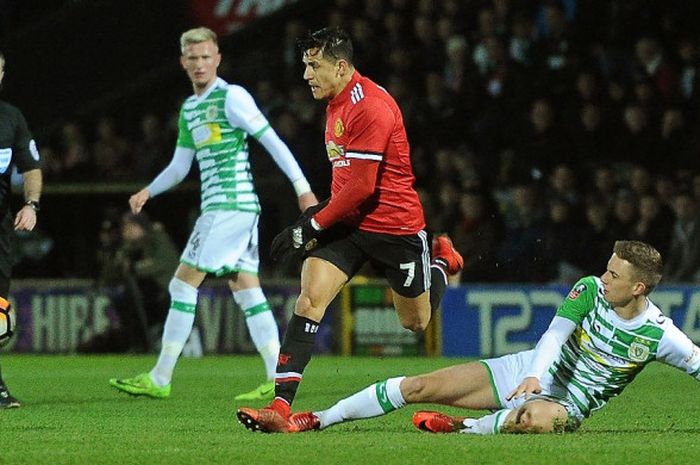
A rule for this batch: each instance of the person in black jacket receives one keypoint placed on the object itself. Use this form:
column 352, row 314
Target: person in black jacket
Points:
column 18, row 149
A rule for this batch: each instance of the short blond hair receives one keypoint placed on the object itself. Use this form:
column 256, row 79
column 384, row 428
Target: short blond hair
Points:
column 645, row 259
column 196, row 36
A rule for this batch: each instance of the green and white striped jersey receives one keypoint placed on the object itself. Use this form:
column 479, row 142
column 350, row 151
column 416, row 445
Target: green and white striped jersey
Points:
column 605, row 352
column 216, row 126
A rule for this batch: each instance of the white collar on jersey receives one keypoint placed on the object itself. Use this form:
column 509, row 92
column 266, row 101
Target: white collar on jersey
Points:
column 218, row 83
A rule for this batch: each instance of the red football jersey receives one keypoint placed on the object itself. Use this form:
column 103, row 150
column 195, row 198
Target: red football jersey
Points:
column 364, row 123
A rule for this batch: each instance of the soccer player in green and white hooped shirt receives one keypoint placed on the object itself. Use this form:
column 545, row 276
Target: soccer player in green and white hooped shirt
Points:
column 214, row 126
column 603, row 334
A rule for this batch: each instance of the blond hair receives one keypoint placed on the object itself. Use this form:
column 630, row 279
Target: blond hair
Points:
column 645, row 259
column 196, row 36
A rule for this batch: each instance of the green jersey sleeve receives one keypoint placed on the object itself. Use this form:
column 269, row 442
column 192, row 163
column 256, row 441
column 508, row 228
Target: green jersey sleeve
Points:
column 184, row 136
column 580, row 300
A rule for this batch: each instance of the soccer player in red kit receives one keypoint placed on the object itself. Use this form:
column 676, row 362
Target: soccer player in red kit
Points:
column 374, row 214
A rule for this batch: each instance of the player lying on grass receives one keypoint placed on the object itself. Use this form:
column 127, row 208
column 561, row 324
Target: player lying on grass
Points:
column 603, row 334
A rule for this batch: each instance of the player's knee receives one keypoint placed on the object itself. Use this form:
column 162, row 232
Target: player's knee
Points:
column 415, row 323
column 308, row 307
column 416, row 389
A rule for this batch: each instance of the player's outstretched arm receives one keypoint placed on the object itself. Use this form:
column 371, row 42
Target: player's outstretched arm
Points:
column 546, row 352
column 171, row 176
column 138, row 200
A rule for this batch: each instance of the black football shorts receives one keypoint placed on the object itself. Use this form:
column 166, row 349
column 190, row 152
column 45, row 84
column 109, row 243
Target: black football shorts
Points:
column 403, row 260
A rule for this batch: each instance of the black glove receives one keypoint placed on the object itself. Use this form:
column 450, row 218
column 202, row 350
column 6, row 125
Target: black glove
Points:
column 298, row 238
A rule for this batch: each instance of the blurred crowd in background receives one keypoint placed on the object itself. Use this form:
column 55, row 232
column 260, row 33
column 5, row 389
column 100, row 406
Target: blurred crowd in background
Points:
column 541, row 131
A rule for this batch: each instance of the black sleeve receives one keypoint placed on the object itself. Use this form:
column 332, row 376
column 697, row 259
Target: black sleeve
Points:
column 25, row 154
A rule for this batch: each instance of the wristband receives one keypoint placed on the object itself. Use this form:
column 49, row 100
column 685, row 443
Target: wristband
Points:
column 301, row 186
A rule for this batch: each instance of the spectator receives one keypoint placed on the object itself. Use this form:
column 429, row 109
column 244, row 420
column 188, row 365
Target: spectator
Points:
column 542, row 143
column 520, row 254
column 476, row 236
column 151, row 149
column 672, row 152
column 625, row 214
column 521, row 43
column 640, row 181
column 689, row 75
column 293, row 29
column 636, row 143
column 597, row 235
column 561, row 242
column 665, row 188
column 562, row 185
column 604, row 185
column 74, row 153
column 457, row 69
column 555, row 50
column 590, row 137
column 135, row 267
column 438, row 113
column 652, row 64
column 683, row 259
column 110, row 153
column 365, row 45
column 430, row 55
column 652, row 225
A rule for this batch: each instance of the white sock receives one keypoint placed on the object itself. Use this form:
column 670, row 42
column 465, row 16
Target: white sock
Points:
column 377, row 399
column 488, row 424
column 261, row 326
column 178, row 325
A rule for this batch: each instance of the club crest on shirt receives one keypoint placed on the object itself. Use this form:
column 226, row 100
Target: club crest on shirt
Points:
column 638, row 352
column 211, row 112
column 338, row 128
column 576, row 291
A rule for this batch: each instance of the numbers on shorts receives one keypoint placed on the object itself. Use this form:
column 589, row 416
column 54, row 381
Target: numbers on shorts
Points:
column 410, row 268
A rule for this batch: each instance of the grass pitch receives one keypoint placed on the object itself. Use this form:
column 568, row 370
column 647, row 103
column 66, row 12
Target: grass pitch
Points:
column 70, row 415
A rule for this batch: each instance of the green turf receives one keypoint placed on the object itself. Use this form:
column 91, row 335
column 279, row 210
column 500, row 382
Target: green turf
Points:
column 71, row 416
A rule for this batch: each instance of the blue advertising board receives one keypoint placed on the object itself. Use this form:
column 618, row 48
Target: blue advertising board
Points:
column 58, row 316
column 487, row 321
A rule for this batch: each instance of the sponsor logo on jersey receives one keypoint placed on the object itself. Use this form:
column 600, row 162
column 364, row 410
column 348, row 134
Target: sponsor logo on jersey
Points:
column 575, row 292
column 338, row 128
column 638, row 351
column 206, row 134
column 334, row 150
